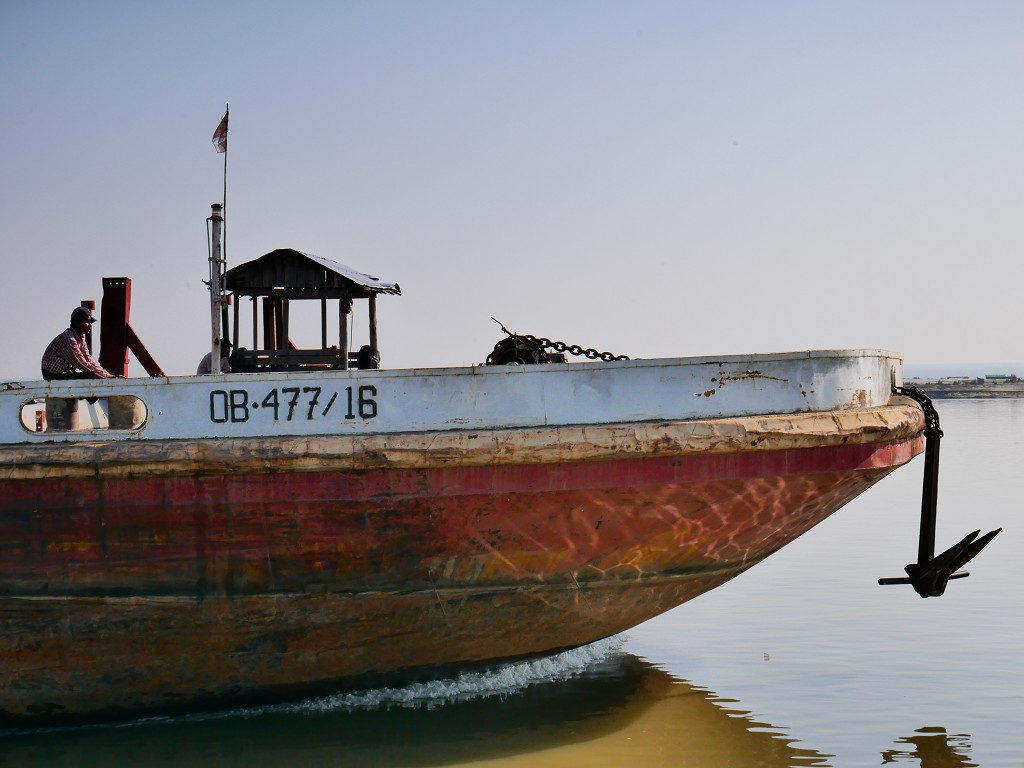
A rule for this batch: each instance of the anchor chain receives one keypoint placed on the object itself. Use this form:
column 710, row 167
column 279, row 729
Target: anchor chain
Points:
column 559, row 346
column 931, row 416
column 572, row 349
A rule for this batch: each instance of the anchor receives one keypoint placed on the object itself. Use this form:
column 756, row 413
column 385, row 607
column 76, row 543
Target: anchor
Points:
column 930, row 574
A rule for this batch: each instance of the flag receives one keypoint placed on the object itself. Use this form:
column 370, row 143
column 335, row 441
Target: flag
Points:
column 220, row 136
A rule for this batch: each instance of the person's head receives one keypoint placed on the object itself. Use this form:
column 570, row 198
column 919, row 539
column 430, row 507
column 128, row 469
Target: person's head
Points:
column 225, row 346
column 82, row 320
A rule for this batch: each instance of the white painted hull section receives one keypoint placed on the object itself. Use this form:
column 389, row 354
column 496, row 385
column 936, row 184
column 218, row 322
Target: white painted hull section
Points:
column 484, row 397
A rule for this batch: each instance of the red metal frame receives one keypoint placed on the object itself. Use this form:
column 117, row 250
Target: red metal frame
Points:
column 117, row 336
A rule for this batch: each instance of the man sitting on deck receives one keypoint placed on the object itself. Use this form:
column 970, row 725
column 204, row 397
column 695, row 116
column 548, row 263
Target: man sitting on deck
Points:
column 68, row 357
column 206, row 364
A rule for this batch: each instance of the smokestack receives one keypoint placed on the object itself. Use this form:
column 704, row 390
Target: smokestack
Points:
column 217, row 264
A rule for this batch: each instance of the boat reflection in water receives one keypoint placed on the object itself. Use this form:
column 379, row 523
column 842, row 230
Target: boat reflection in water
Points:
column 618, row 710
column 932, row 747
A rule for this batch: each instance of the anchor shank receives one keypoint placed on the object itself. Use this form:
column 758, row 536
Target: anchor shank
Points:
column 929, row 498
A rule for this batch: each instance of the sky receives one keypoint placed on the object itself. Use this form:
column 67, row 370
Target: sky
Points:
column 652, row 179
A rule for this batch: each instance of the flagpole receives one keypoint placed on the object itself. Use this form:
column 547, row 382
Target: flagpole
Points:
column 224, row 254
column 218, row 254
column 224, row 200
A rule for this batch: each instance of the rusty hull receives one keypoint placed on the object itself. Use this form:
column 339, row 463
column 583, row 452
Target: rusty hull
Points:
column 160, row 576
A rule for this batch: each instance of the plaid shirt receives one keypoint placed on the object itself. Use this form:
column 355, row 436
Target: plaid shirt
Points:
column 68, row 351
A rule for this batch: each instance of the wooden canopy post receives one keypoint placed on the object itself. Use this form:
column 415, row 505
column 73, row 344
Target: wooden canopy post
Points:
column 225, row 328
column 372, row 299
column 255, row 323
column 344, row 309
column 323, row 323
column 269, row 324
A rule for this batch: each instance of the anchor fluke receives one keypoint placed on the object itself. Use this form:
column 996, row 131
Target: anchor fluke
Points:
column 929, row 579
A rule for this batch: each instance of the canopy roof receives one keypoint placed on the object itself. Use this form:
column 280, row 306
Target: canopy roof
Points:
column 287, row 271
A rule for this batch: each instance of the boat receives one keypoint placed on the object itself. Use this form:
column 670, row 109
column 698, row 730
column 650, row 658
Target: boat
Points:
column 313, row 522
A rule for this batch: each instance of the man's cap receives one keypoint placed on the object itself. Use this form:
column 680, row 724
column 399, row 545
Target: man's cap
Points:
column 82, row 313
column 225, row 341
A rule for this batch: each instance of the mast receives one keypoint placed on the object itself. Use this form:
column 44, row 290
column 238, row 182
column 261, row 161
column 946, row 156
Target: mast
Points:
column 218, row 253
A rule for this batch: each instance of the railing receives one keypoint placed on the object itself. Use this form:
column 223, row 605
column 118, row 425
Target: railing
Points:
column 249, row 360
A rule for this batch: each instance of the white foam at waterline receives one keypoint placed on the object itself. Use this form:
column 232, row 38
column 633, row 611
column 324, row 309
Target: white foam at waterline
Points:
column 501, row 681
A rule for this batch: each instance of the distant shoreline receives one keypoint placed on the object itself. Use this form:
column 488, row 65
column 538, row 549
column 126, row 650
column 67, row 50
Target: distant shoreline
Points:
column 965, row 390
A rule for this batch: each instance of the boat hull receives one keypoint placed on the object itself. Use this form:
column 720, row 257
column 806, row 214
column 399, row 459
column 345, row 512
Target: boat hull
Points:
column 156, row 576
